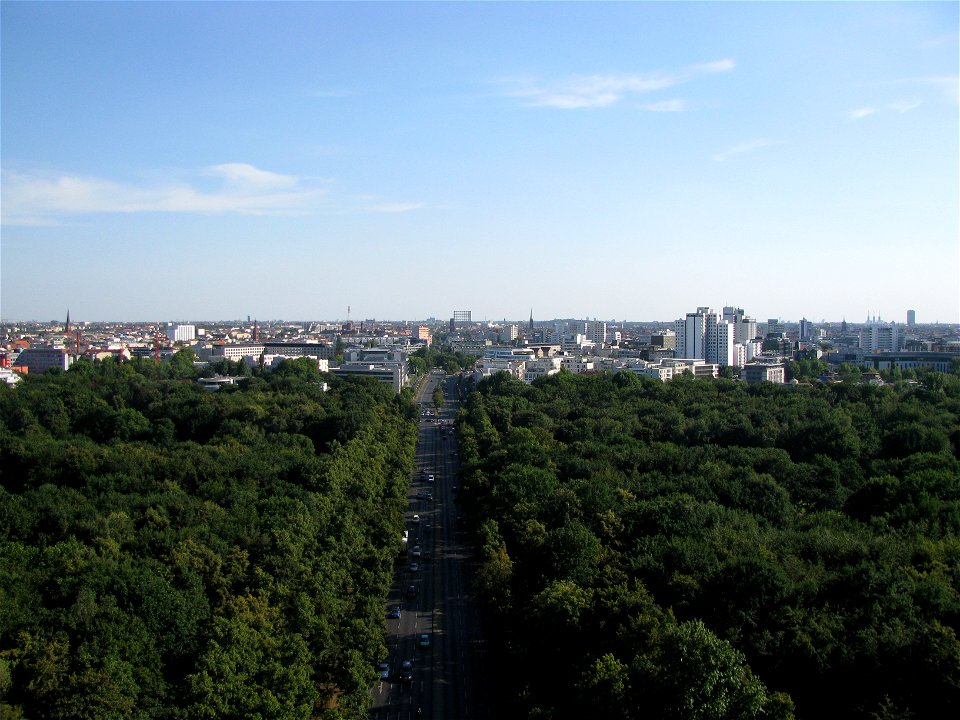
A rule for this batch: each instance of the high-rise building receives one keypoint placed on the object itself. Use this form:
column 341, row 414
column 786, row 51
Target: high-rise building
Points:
column 880, row 337
column 706, row 335
column 422, row 333
column 806, row 330
column 462, row 316
column 593, row 331
column 911, row 318
column 745, row 326
column 692, row 335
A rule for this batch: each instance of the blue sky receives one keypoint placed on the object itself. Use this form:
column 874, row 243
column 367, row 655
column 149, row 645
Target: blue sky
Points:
column 610, row 160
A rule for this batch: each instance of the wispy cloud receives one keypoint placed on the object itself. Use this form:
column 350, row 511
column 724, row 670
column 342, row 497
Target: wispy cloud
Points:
column 861, row 113
column 49, row 199
column 43, row 199
column 395, row 207
column 241, row 175
column 947, row 85
column 742, row 148
column 591, row 91
column 905, row 106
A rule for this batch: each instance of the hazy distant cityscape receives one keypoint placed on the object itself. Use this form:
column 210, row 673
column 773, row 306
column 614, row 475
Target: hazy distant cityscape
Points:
column 705, row 342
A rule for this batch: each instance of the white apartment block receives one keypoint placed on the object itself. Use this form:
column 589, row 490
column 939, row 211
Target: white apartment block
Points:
column 509, row 353
column 235, row 351
column 593, row 331
column 663, row 373
column 739, row 355
column 576, row 365
column 746, row 327
column 704, row 334
column 181, row 333
column 880, row 337
column 543, row 367
column 486, row 367
column 574, row 343
column 755, row 373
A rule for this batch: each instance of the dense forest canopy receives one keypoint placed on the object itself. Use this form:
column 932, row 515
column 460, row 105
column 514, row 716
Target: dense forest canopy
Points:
column 171, row 553
column 707, row 549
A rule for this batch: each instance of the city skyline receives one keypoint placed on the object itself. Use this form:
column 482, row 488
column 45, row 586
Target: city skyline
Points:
column 628, row 160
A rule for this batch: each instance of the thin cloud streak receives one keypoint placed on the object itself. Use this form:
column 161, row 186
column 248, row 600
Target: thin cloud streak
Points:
column 667, row 106
column 244, row 175
column 395, row 207
column 905, row 106
column 744, row 148
column 591, row 91
column 861, row 113
column 38, row 200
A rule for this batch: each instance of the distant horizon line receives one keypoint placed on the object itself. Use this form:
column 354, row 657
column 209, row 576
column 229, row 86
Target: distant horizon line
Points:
column 525, row 322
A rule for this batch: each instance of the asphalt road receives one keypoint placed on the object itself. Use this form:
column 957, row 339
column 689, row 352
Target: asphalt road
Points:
column 449, row 679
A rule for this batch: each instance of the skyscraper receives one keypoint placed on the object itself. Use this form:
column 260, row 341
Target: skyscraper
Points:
column 911, row 318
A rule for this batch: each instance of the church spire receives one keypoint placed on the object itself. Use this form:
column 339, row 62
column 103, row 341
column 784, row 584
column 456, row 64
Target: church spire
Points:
column 66, row 330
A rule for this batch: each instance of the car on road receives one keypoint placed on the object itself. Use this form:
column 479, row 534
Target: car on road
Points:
column 427, row 555
column 427, row 527
column 412, row 591
column 430, row 478
column 394, row 612
column 414, row 567
column 384, row 670
column 424, row 640
column 406, row 671
column 416, row 518
column 416, row 551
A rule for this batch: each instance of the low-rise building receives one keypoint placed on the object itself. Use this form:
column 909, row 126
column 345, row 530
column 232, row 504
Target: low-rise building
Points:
column 40, row 358
column 392, row 374
column 758, row 372
column 542, row 367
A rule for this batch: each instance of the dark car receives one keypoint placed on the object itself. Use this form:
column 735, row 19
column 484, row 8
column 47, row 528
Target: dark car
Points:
column 394, row 612
column 384, row 671
column 412, row 591
column 424, row 640
column 406, row 671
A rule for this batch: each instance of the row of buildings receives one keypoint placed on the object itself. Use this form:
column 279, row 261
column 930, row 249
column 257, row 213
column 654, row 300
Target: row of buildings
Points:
column 703, row 343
